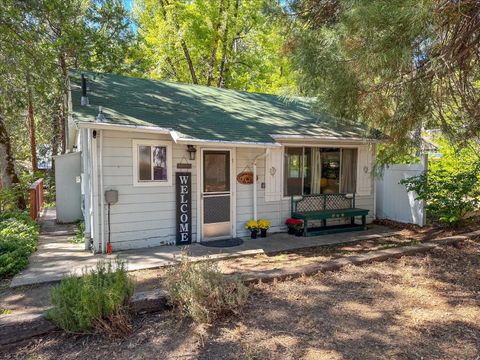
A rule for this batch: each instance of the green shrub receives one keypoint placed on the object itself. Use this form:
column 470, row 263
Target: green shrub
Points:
column 81, row 304
column 9, row 197
column 18, row 240
column 451, row 190
column 201, row 292
column 448, row 196
column 79, row 234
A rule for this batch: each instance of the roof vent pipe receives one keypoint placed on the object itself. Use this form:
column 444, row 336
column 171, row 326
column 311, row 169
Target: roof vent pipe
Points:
column 100, row 116
column 84, row 101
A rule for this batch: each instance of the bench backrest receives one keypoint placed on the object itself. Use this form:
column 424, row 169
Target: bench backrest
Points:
column 319, row 202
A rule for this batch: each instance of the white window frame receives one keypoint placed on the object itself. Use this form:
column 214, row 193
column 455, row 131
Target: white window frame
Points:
column 135, row 145
column 303, row 146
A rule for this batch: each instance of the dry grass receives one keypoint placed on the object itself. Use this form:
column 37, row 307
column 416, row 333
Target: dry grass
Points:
column 201, row 292
column 149, row 279
column 425, row 306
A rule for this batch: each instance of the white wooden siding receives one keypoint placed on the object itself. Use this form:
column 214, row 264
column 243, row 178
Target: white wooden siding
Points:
column 143, row 216
column 274, row 175
column 364, row 170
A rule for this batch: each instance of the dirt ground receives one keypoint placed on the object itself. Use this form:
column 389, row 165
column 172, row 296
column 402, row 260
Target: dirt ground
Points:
column 418, row 307
column 37, row 297
column 150, row 279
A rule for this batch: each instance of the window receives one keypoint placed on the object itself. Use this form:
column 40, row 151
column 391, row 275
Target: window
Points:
column 152, row 163
column 216, row 171
column 313, row 170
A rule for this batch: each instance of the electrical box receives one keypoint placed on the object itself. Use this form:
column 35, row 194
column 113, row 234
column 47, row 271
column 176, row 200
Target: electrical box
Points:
column 111, row 197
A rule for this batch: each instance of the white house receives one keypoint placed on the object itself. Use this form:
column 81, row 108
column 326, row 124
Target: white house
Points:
column 136, row 135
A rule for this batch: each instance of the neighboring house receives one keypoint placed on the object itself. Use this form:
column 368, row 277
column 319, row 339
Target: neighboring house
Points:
column 136, row 134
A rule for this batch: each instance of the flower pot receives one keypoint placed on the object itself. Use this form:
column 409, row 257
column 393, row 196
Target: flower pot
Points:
column 253, row 234
column 291, row 231
column 263, row 232
column 299, row 232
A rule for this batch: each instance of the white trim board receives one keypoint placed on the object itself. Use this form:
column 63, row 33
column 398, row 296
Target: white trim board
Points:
column 138, row 142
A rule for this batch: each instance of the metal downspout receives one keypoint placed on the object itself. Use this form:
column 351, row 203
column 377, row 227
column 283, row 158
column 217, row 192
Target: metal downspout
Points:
column 102, row 200
column 255, row 182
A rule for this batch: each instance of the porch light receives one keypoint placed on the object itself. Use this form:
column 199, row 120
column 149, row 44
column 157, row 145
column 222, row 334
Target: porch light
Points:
column 191, row 152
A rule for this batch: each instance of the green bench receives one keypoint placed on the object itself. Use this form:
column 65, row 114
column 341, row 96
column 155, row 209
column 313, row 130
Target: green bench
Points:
column 328, row 206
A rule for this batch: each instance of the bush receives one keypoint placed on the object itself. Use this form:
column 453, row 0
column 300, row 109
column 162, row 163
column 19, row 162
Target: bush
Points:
column 18, row 240
column 451, row 190
column 88, row 303
column 201, row 292
column 79, row 237
column 9, row 197
column 449, row 197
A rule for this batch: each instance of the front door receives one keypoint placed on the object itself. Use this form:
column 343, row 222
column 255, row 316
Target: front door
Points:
column 216, row 195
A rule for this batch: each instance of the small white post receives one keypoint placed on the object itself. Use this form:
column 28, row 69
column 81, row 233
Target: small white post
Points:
column 424, row 163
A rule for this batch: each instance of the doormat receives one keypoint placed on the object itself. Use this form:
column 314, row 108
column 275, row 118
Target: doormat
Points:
column 223, row 243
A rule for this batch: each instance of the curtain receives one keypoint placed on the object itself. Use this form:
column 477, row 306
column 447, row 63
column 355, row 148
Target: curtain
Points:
column 316, row 170
column 348, row 171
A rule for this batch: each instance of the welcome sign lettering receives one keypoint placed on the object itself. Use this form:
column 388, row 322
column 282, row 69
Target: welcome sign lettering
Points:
column 183, row 184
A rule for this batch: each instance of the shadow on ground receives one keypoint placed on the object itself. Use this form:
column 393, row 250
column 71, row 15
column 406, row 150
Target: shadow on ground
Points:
column 423, row 306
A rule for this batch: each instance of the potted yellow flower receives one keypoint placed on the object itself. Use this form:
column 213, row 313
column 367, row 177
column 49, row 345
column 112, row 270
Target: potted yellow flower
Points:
column 252, row 225
column 264, row 225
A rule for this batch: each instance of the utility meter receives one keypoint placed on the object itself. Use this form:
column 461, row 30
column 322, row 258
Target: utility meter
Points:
column 111, row 197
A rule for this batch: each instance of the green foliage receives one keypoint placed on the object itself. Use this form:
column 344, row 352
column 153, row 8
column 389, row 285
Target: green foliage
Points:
column 201, row 292
column 18, row 239
column 79, row 234
column 451, row 189
column 81, row 303
column 231, row 43
column 44, row 39
column 49, row 189
column 394, row 65
column 9, row 197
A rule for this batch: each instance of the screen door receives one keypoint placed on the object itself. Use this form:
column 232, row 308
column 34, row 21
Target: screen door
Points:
column 216, row 195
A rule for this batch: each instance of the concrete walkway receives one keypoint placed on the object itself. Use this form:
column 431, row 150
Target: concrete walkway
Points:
column 56, row 257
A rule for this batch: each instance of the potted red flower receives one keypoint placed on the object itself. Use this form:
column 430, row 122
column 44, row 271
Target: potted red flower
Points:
column 295, row 226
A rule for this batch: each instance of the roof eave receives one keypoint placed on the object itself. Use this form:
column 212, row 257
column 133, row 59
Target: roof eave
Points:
column 124, row 127
column 176, row 137
column 229, row 143
column 308, row 138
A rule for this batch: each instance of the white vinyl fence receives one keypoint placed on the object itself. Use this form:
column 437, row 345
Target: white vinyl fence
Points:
column 393, row 200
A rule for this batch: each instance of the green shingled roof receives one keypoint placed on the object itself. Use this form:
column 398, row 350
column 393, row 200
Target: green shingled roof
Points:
column 202, row 112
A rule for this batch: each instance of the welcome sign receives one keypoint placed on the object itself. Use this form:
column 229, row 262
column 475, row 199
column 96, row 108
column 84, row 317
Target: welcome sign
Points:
column 183, row 184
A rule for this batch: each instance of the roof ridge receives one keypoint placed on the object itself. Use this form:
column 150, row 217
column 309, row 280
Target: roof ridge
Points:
column 177, row 83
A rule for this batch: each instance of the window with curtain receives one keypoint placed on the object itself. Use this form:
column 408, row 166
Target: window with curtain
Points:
column 349, row 171
column 313, row 170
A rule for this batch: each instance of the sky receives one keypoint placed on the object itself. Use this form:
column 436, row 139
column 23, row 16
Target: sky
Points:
column 128, row 4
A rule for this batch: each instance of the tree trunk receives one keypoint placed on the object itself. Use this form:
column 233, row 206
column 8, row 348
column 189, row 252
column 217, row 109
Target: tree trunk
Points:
column 31, row 126
column 168, row 59
column 63, row 121
column 225, row 48
column 8, row 175
column 183, row 44
column 173, row 68
column 56, row 118
column 216, row 39
column 189, row 62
